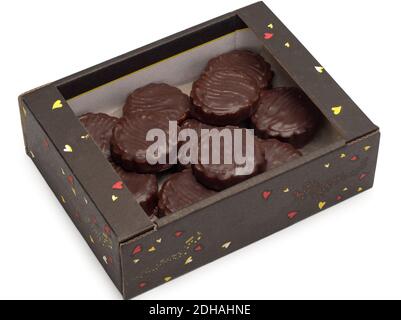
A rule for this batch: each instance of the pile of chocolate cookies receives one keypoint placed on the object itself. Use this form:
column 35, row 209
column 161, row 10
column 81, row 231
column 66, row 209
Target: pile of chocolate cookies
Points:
column 233, row 94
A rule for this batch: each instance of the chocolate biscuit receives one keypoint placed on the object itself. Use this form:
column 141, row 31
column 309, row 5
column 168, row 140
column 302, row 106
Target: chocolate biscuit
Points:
column 246, row 61
column 129, row 146
column 286, row 114
column 277, row 153
column 179, row 191
column 143, row 187
column 100, row 127
column 224, row 97
column 159, row 98
column 224, row 174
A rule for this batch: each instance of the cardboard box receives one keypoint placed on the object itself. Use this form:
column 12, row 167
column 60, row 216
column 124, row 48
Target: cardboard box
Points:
column 139, row 254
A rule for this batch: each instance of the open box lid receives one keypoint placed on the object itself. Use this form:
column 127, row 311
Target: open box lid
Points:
column 124, row 216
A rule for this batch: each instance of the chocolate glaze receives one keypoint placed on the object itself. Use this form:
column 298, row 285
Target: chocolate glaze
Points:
column 179, row 191
column 286, row 114
column 100, row 127
column 222, row 176
column 224, row 97
column 246, row 61
column 129, row 145
column 143, row 187
column 277, row 153
column 159, row 97
column 194, row 125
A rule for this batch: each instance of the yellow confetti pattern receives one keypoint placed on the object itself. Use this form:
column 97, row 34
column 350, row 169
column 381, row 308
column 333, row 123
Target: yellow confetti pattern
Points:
column 67, row 148
column 226, row 245
column 319, row 69
column 189, row 260
column 57, row 105
column 337, row 110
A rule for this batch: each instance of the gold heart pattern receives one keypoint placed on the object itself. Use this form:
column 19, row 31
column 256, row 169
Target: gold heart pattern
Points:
column 57, row 105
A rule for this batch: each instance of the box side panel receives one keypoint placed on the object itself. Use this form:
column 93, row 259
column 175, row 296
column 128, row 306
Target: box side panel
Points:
column 221, row 228
column 87, row 163
column 79, row 206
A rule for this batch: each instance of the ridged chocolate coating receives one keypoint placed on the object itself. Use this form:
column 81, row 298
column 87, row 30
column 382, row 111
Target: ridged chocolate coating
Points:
column 194, row 125
column 286, row 114
column 100, row 127
column 222, row 176
column 224, row 97
column 159, row 97
column 143, row 187
column 129, row 145
column 277, row 153
column 179, row 191
column 246, row 61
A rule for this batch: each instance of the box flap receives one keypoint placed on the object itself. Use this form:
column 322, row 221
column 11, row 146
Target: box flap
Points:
column 89, row 166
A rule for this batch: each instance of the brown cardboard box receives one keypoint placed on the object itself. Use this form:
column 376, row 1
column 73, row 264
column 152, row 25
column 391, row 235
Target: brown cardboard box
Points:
column 140, row 254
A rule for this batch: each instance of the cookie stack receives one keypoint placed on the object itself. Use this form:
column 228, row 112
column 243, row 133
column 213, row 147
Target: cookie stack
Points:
column 233, row 94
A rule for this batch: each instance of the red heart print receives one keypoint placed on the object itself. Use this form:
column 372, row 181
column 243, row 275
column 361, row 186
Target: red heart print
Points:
column 198, row 248
column 137, row 250
column 266, row 195
column 354, row 158
column 142, row 285
column 363, row 176
column 118, row 185
column 107, row 230
column 178, row 234
column 268, row 35
column 70, row 180
column 292, row 214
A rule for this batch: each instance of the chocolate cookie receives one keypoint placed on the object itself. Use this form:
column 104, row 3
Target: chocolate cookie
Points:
column 179, row 191
column 195, row 125
column 143, row 187
column 224, row 175
column 246, row 61
column 129, row 145
column 185, row 146
column 277, row 153
column 224, row 97
column 286, row 114
column 159, row 97
column 100, row 127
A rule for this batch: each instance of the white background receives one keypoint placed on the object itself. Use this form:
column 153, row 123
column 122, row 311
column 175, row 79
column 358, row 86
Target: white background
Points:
column 349, row 251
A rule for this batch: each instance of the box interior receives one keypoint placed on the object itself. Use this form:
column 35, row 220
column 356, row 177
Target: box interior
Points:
column 181, row 70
